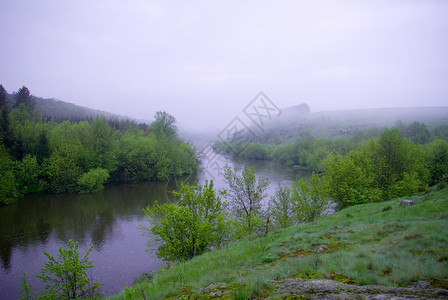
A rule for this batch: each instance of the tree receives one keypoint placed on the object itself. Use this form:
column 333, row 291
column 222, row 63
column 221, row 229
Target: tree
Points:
column 63, row 170
column 4, row 119
column 246, row 192
column 190, row 227
column 416, row 132
column 3, row 96
column 136, row 157
column 66, row 275
column 437, row 160
column 24, row 97
column 388, row 167
column 393, row 157
column 280, row 208
column 8, row 182
column 28, row 174
column 103, row 145
column 309, row 199
column 163, row 124
column 350, row 179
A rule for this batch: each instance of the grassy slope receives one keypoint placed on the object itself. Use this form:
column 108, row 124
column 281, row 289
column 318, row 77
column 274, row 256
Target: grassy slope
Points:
column 364, row 245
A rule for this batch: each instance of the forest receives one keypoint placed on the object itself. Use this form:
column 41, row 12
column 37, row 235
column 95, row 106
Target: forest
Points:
column 50, row 154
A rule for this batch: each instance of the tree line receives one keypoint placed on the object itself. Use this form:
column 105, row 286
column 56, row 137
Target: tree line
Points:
column 311, row 152
column 43, row 155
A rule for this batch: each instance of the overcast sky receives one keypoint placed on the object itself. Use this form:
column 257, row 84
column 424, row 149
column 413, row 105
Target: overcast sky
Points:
column 203, row 61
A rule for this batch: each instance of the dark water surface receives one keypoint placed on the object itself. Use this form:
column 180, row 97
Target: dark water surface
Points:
column 109, row 220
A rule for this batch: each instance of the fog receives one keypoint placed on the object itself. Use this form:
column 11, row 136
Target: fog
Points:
column 204, row 61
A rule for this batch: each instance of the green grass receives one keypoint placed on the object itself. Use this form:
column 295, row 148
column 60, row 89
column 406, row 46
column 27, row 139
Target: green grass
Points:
column 376, row 243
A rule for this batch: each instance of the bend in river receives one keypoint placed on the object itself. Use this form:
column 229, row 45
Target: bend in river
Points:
column 109, row 220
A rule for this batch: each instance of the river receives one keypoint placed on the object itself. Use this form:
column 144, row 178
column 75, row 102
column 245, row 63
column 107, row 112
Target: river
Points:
column 108, row 220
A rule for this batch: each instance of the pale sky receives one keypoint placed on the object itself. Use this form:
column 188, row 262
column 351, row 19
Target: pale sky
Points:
column 203, row 61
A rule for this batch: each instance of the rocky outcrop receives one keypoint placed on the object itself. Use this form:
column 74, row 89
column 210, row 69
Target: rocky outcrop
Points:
column 299, row 288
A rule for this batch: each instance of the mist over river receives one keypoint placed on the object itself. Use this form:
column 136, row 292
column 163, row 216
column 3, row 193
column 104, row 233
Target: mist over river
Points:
column 108, row 219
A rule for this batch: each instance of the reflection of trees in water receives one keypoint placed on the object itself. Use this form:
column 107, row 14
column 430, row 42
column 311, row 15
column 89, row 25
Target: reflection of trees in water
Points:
column 78, row 217
column 5, row 253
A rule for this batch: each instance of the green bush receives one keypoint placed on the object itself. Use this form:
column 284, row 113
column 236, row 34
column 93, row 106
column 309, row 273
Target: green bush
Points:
column 93, row 180
column 309, row 199
column 65, row 276
column 437, row 160
column 195, row 224
column 280, row 208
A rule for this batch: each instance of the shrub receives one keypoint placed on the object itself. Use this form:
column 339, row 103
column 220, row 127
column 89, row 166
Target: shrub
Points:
column 310, row 199
column 195, row 224
column 92, row 181
column 65, row 276
column 280, row 208
column 246, row 192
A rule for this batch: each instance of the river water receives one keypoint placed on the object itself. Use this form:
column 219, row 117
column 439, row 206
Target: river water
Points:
column 108, row 220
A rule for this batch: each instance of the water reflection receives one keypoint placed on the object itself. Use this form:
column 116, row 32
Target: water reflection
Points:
column 108, row 220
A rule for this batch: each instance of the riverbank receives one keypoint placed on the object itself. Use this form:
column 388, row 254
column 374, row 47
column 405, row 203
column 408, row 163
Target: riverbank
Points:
column 372, row 244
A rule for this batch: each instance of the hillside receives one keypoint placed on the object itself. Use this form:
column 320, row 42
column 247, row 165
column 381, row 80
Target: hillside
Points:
column 61, row 110
column 339, row 255
column 66, row 111
column 296, row 122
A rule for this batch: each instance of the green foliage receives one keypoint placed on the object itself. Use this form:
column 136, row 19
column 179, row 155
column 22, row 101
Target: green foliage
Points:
column 393, row 157
column 63, row 170
column 309, row 199
column 163, row 124
column 255, row 151
column 92, row 181
column 30, row 138
column 65, row 276
column 440, row 132
column 3, row 95
column 416, row 132
column 103, row 145
column 280, row 208
column 136, row 157
column 350, row 179
column 389, row 167
column 143, row 157
column 24, row 97
column 5, row 137
column 311, row 152
column 29, row 175
column 67, row 157
column 8, row 183
column 437, row 160
column 190, row 227
column 246, row 192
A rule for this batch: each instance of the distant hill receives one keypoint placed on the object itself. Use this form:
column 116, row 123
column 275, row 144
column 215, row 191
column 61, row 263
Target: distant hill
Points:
column 297, row 121
column 64, row 110
column 61, row 110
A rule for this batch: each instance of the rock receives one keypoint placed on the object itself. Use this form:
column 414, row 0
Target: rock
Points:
column 319, row 249
column 406, row 202
column 211, row 288
column 421, row 285
column 330, row 289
